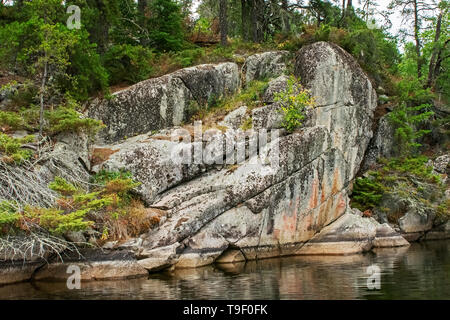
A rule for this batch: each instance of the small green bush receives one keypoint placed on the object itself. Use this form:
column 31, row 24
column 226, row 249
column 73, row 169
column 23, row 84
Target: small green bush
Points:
column 67, row 119
column 12, row 150
column 128, row 63
column 293, row 103
column 367, row 193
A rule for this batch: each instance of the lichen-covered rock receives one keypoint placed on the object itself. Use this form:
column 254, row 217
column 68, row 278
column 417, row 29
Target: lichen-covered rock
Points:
column 150, row 159
column 163, row 102
column 275, row 86
column 94, row 265
column 261, row 209
column 264, row 65
column 235, row 118
column 344, row 95
column 17, row 271
column 267, row 117
column 159, row 258
column 441, row 164
column 382, row 144
column 352, row 234
column 416, row 221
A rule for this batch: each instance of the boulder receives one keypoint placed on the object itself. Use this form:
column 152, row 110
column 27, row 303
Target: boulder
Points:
column 275, row 86
column 345, row 97
column 162, row 102
column 264, row 65
column 160, row 258
column 150, row 159
column 264, row 206
column 231, row 256
column 267, row 117
column 235, row 118
column 441, row 164
column 352, row 234
column 415, row 221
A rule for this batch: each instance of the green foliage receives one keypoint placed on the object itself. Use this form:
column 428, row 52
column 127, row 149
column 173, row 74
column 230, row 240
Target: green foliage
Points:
column 11, row 150
column 57, row 221
column 129, row 63
column 76, row 209
column 63, row 187
column 367, row 193
column 165, row 25
column 416, row 166
column 8, row 216
column 408, row 178
column 406, row 121
column 293, row 103
column 68, row 119
column 104, row 176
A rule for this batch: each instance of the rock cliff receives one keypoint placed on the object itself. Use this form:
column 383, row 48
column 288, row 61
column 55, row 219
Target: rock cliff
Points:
column 254, row 209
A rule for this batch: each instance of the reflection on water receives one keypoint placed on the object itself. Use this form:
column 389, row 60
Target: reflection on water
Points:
column 419, row 272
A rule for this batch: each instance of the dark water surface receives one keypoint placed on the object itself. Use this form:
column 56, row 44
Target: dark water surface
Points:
column 421, row 271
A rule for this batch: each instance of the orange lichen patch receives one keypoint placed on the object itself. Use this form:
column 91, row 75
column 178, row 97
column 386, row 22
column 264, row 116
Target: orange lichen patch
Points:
column 324, row 192
column 336, row 182
column 100, row 155
column 180, row 222
column 166, row 138
column 367, row 214
column 289, row 225
column 313, row 201
column 276, row 233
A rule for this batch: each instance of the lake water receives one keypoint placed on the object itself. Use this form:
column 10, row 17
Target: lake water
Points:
column 421, row 271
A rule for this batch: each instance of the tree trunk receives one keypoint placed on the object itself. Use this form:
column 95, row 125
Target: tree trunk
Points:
column 41, row 98
column 433, row 60
column 286, row 22
column 417, row 38
column 223, row 22
column 257, row 16
column 245, row 15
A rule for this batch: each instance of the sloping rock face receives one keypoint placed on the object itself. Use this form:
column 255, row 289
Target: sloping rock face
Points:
column 292, row 201
column 344, row 95
column 265, row 211
column 163, row 102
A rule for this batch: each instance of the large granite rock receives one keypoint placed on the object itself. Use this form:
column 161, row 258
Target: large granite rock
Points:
column 344, row 95
column 261, row 209
column 163, row 102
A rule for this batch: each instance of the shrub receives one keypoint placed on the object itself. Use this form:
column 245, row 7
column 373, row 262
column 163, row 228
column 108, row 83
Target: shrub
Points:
column 63, row 187
column 67, row 119
column 12, row 150
column 406, row 121
column 293, row 103
column 367, row 193
column 128, row 63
